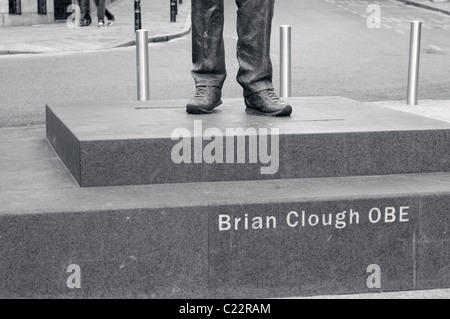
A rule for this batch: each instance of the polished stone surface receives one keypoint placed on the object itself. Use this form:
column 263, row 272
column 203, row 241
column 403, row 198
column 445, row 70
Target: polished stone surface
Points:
column 307, row 260
column 163, row 241
column 433, row 242
column 129, row 143
column 121, row 253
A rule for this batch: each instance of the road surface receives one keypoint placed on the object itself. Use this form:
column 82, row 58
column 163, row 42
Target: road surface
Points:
column 334, row 52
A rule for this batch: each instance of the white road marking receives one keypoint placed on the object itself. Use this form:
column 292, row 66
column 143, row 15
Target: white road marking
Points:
column 435, row 47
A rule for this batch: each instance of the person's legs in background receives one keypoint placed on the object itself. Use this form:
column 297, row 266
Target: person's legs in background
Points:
column 85, row 17
column 100, row 12
column 110, row 16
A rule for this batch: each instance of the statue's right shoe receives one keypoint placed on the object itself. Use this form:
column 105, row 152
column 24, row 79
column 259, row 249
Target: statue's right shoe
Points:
column 205, row 100
column 267, row 103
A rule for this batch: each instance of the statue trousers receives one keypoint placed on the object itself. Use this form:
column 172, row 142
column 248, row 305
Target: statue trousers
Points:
column 254, row 26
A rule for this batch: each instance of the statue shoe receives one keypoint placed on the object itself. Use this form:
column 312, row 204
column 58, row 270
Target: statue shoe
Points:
column 267, row 103
column 205, row 100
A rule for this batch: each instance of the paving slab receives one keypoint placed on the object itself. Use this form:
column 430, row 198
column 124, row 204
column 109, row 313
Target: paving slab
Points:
column 64, row 37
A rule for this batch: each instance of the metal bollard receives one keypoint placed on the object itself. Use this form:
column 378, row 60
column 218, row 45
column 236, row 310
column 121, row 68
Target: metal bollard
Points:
column 143, row 80
column 414, row 57
column 285, row 61
column 173, row 10
column 137, row 15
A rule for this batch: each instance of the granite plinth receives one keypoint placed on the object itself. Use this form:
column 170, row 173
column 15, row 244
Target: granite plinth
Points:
column 309, row 259
column 130, row 143
column 269, row 236
column 121, row 254
column 434, row 240
column 164, row 241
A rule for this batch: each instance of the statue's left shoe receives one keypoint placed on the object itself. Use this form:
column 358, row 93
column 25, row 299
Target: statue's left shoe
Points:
column 267, row 103
column 205, row 100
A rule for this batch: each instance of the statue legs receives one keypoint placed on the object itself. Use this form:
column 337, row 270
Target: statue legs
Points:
column 254, row 26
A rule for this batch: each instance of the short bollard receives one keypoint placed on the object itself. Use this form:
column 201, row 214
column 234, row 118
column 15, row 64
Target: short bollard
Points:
column 143, row 79
column 414, row 58
column 285, row 61
column 137, row 15
column 173, row 10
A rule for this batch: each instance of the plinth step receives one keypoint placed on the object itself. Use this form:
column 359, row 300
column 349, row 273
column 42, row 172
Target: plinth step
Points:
column 156, row 142
column 292, row 237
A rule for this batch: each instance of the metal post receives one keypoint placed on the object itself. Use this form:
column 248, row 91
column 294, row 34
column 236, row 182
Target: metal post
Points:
column 285, row 61
column 173, row 10
column 143, row 85
column 414, row 57
column 137, row 15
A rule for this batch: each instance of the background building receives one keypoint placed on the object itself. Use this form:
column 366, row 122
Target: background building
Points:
column 29, row 12
column 26, row 12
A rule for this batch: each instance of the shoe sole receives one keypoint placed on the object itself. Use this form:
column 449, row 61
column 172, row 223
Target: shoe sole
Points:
column 284, row 112
column 194, row 109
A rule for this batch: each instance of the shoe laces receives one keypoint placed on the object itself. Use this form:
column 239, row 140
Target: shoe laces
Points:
column 200, row 91
column 271, row 95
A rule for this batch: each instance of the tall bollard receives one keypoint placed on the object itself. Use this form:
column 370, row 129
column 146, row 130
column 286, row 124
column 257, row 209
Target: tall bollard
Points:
column 137, row 15
column 414, row 57
column 285, row 61
column 173, row 10
column 143, row 80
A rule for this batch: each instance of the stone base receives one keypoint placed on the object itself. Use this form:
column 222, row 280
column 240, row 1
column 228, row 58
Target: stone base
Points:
column 294, row 238
column 129, row 143
column 269, row 236
column 9, row 20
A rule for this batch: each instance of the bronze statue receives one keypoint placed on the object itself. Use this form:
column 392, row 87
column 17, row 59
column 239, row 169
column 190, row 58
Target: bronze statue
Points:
column 254, row 26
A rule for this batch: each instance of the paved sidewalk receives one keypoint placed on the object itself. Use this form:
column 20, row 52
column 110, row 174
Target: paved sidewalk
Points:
column 58, row 37
column 443, row 7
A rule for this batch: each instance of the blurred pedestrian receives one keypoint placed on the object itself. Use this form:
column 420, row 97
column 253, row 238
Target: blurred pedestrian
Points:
column 86, row 19
column 102, row 12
